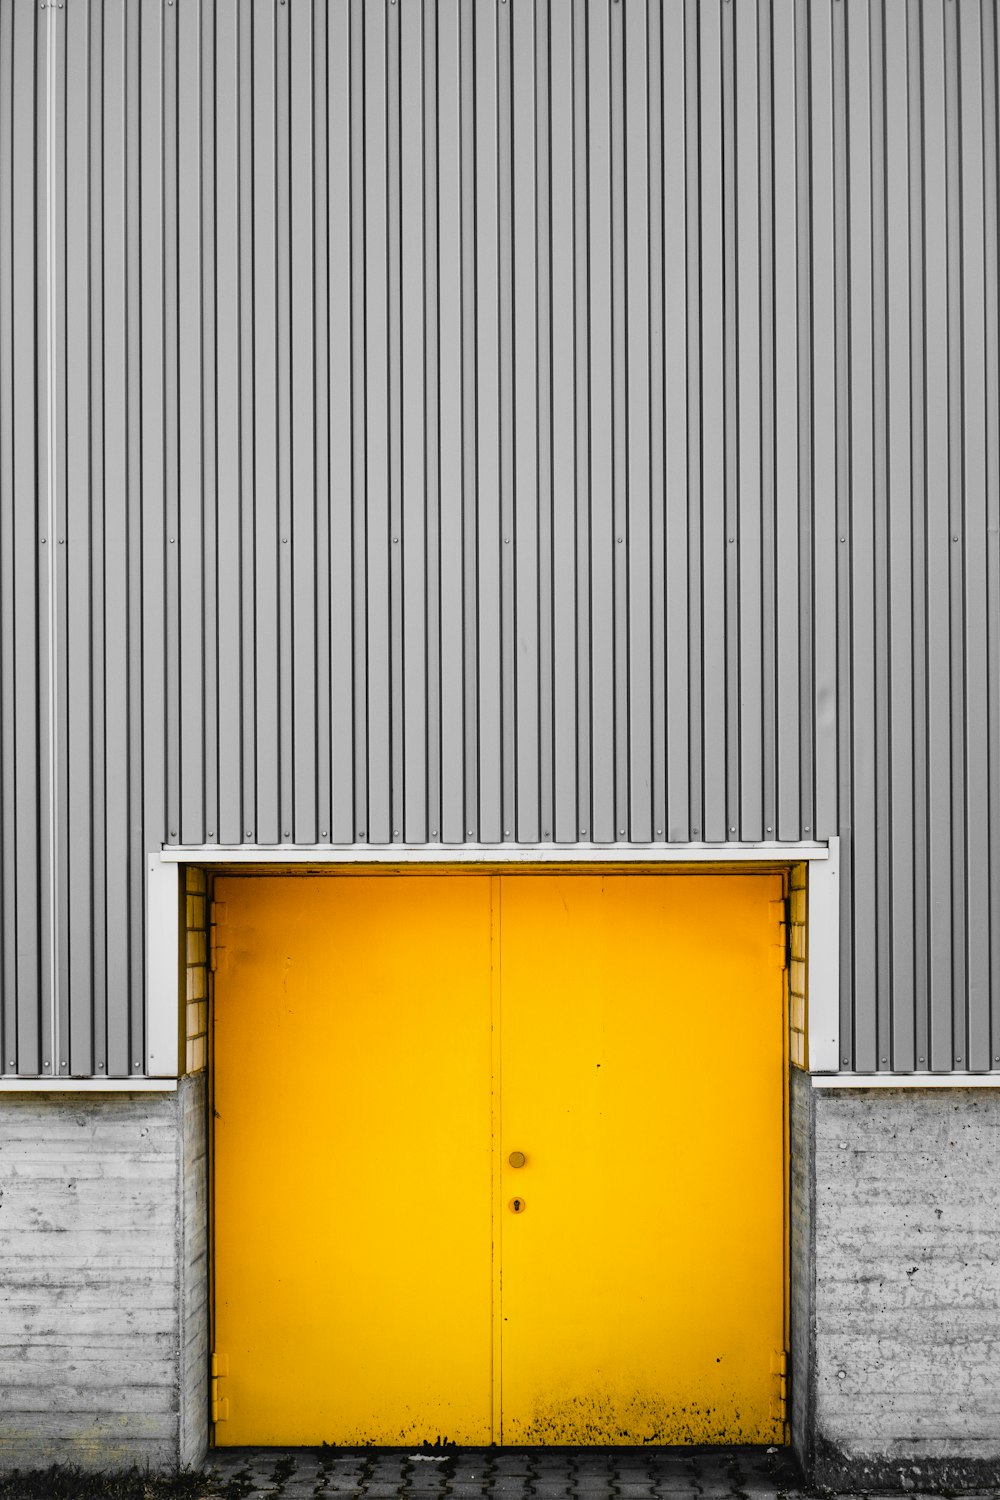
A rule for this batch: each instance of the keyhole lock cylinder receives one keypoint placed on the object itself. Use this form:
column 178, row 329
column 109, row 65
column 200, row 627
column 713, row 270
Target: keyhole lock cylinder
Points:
column 517, row 1205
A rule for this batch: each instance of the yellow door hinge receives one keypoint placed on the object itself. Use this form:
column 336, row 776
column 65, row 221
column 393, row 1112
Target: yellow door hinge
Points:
column 220, row 1404
column 779, row 949
column 217, row 948
column 779, row 1385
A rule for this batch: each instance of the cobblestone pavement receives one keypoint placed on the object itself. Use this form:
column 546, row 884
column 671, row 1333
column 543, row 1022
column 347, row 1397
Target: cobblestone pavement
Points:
column 509, row 1474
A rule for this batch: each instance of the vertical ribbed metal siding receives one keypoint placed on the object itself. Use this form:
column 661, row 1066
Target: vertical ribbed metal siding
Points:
column 478, row 474
column 901, row 270
column 496, row 421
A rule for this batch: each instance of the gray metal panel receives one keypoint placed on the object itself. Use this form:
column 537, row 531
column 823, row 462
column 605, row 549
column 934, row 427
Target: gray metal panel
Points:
column 374, row 327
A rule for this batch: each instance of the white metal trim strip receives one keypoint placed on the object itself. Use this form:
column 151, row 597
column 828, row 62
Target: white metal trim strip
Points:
column 492, row 854
column 88, row 1085
column 823, row 962
column 162, row 967
column 906, row 1081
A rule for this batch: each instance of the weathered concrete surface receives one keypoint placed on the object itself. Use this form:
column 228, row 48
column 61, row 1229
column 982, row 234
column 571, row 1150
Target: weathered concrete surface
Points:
column 103, row 1278
column 903, row 1385
column 801, row 1220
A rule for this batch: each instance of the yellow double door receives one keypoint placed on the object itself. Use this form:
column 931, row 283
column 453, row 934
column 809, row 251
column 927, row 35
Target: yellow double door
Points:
column 499, row 1159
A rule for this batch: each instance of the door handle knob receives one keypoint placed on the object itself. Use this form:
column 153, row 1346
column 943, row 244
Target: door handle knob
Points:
column 516, row 1158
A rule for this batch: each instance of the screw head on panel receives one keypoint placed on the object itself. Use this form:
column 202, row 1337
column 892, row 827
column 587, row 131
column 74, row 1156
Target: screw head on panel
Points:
column 249, row 833
column 286, row 834
column 846, row 1061
column 211, row 833
column 322, row 833
column 173, row 833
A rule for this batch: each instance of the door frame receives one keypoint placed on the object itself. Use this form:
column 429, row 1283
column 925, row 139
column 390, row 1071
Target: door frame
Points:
column 820, row 861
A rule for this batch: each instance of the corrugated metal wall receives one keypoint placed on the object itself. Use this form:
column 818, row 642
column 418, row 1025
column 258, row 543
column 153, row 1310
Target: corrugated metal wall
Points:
column 501, row 421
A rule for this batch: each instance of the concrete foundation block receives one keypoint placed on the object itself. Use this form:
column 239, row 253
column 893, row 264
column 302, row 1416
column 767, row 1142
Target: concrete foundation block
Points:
column 896, row 1286
column 104, row 1278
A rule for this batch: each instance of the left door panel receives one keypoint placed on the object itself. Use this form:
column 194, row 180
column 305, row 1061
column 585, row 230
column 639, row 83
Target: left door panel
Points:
column 352, row 1159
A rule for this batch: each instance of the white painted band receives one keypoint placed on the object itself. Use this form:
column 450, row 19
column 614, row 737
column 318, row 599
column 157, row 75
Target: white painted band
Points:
column 88, row 1085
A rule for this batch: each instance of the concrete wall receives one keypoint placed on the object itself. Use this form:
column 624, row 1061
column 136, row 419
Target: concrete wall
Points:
column 103, row 1278
column 896, row 1337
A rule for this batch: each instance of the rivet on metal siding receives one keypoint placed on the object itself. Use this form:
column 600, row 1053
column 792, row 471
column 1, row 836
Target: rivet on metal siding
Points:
column 545, row 833
column 62, row 539
column 958, row 1059
column 361, row 833
column 173, row 833
column 769, row 828
column 954, row 538
column 842, row 538
column 136, row 1065
column 885, row 1059
column 920, row 1059
column 434, row 833
column 506, row 833
column 805, row 828
column 470, row 833
column 249, row 833
column 211, row 833
column 171, row 541
column 621, row 833
column 62, row 1060
column 583, row 830
column 46, row 1062
column 322, row 833
column 284, row 539
column 619, row 539
column 100, row 1067
column 286, row 834
column 12, row 1060
column 395, row 541
column 732, row 830
column 846, row 1061
column 395, row 833
column 659, row 833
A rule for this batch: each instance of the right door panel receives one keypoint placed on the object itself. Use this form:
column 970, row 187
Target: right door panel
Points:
column 642, row 1078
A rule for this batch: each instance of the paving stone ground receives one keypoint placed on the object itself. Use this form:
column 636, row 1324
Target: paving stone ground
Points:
column 511, row 1474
